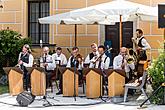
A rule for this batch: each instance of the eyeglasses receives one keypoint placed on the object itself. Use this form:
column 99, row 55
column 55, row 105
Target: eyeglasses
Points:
column 93, row 47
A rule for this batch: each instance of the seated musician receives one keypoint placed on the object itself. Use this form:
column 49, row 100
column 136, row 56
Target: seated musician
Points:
column 47, row 62
column 101, row 61
column 74, row 60
column 59, row 57
column 124, row 61
column 94, row 53
column 25, row 59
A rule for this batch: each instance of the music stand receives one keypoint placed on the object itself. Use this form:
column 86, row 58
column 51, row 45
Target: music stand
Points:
column 154, row 92
column 38, row 80
column 15, row 77
column 116, row 82
column 39, row 89
column 93, row 82
column 70, row 81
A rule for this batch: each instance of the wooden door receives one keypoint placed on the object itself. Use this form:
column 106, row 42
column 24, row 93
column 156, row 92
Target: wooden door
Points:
column 112, row 34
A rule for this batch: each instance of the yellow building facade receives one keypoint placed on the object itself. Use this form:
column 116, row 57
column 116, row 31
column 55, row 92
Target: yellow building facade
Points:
column 14, row 15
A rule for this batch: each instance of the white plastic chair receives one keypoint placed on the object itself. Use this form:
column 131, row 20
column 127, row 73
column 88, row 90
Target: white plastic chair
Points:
column 134, row 86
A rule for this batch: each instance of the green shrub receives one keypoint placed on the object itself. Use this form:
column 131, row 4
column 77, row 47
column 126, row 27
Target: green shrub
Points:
column 156, row 72
column 11, row 43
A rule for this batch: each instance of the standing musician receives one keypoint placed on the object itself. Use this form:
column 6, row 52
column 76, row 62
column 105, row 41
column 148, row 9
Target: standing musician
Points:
column 47, row 62
column 141, row 45
column 25, row 59
column 101, row 61
column 94, row 53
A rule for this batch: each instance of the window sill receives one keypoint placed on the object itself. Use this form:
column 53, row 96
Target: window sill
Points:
column 43, row 45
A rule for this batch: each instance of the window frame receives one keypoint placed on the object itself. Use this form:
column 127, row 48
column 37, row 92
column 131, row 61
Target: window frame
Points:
column 40, row 32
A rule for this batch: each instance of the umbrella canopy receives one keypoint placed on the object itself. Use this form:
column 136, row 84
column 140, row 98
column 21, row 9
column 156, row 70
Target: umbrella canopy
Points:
column 67, row 18
column 113, row 9
column 106, row 13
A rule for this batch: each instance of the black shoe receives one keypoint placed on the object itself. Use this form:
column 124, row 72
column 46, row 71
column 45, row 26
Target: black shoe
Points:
column 131, row 92
column 58, row 93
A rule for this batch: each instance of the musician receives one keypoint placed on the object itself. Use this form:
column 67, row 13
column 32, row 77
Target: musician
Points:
column 123, row 61
column 101, row 61
column 94, row 53
column 25, row 59
column 59, row 57
column 141, row 45
column 47, row 62
column 77, row 59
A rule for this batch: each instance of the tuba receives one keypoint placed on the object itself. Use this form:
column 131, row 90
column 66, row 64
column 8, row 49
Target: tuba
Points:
column 131, row 56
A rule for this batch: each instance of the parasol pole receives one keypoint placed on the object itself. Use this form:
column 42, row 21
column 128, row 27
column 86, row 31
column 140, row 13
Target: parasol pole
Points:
column 75, row 40
column 120, row 31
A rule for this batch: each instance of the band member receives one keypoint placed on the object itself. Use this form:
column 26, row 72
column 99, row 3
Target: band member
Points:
column 47, row 62
column 25, row 59
column 101, row 61
column 75, row 58
column 141, row 45
column 94, row 53
column 124, row 61
column 59, row 57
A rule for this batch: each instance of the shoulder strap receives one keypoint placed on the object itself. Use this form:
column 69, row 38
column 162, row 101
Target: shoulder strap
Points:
column 105, row 59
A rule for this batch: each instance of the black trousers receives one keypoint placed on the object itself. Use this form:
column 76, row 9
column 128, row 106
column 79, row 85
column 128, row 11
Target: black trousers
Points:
column 26, row 80
column 60, row 82
column 48, row 78
column 142, row 55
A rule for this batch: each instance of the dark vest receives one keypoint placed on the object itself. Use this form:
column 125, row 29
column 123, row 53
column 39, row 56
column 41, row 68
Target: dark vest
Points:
column 142, row 54
column 72, row 62
column 91, row 55
column 140, row 42
column 25, row 58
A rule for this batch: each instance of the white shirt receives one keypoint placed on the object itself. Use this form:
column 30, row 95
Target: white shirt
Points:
column 144, row 43
column 80, row 66
column 49, row 60
column 87, row 59
column 31, row 59
column 105, row 61
column 61, row 58
column 117, row 62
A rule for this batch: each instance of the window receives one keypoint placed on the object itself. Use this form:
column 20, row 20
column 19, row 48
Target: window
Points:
column 38, row 9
